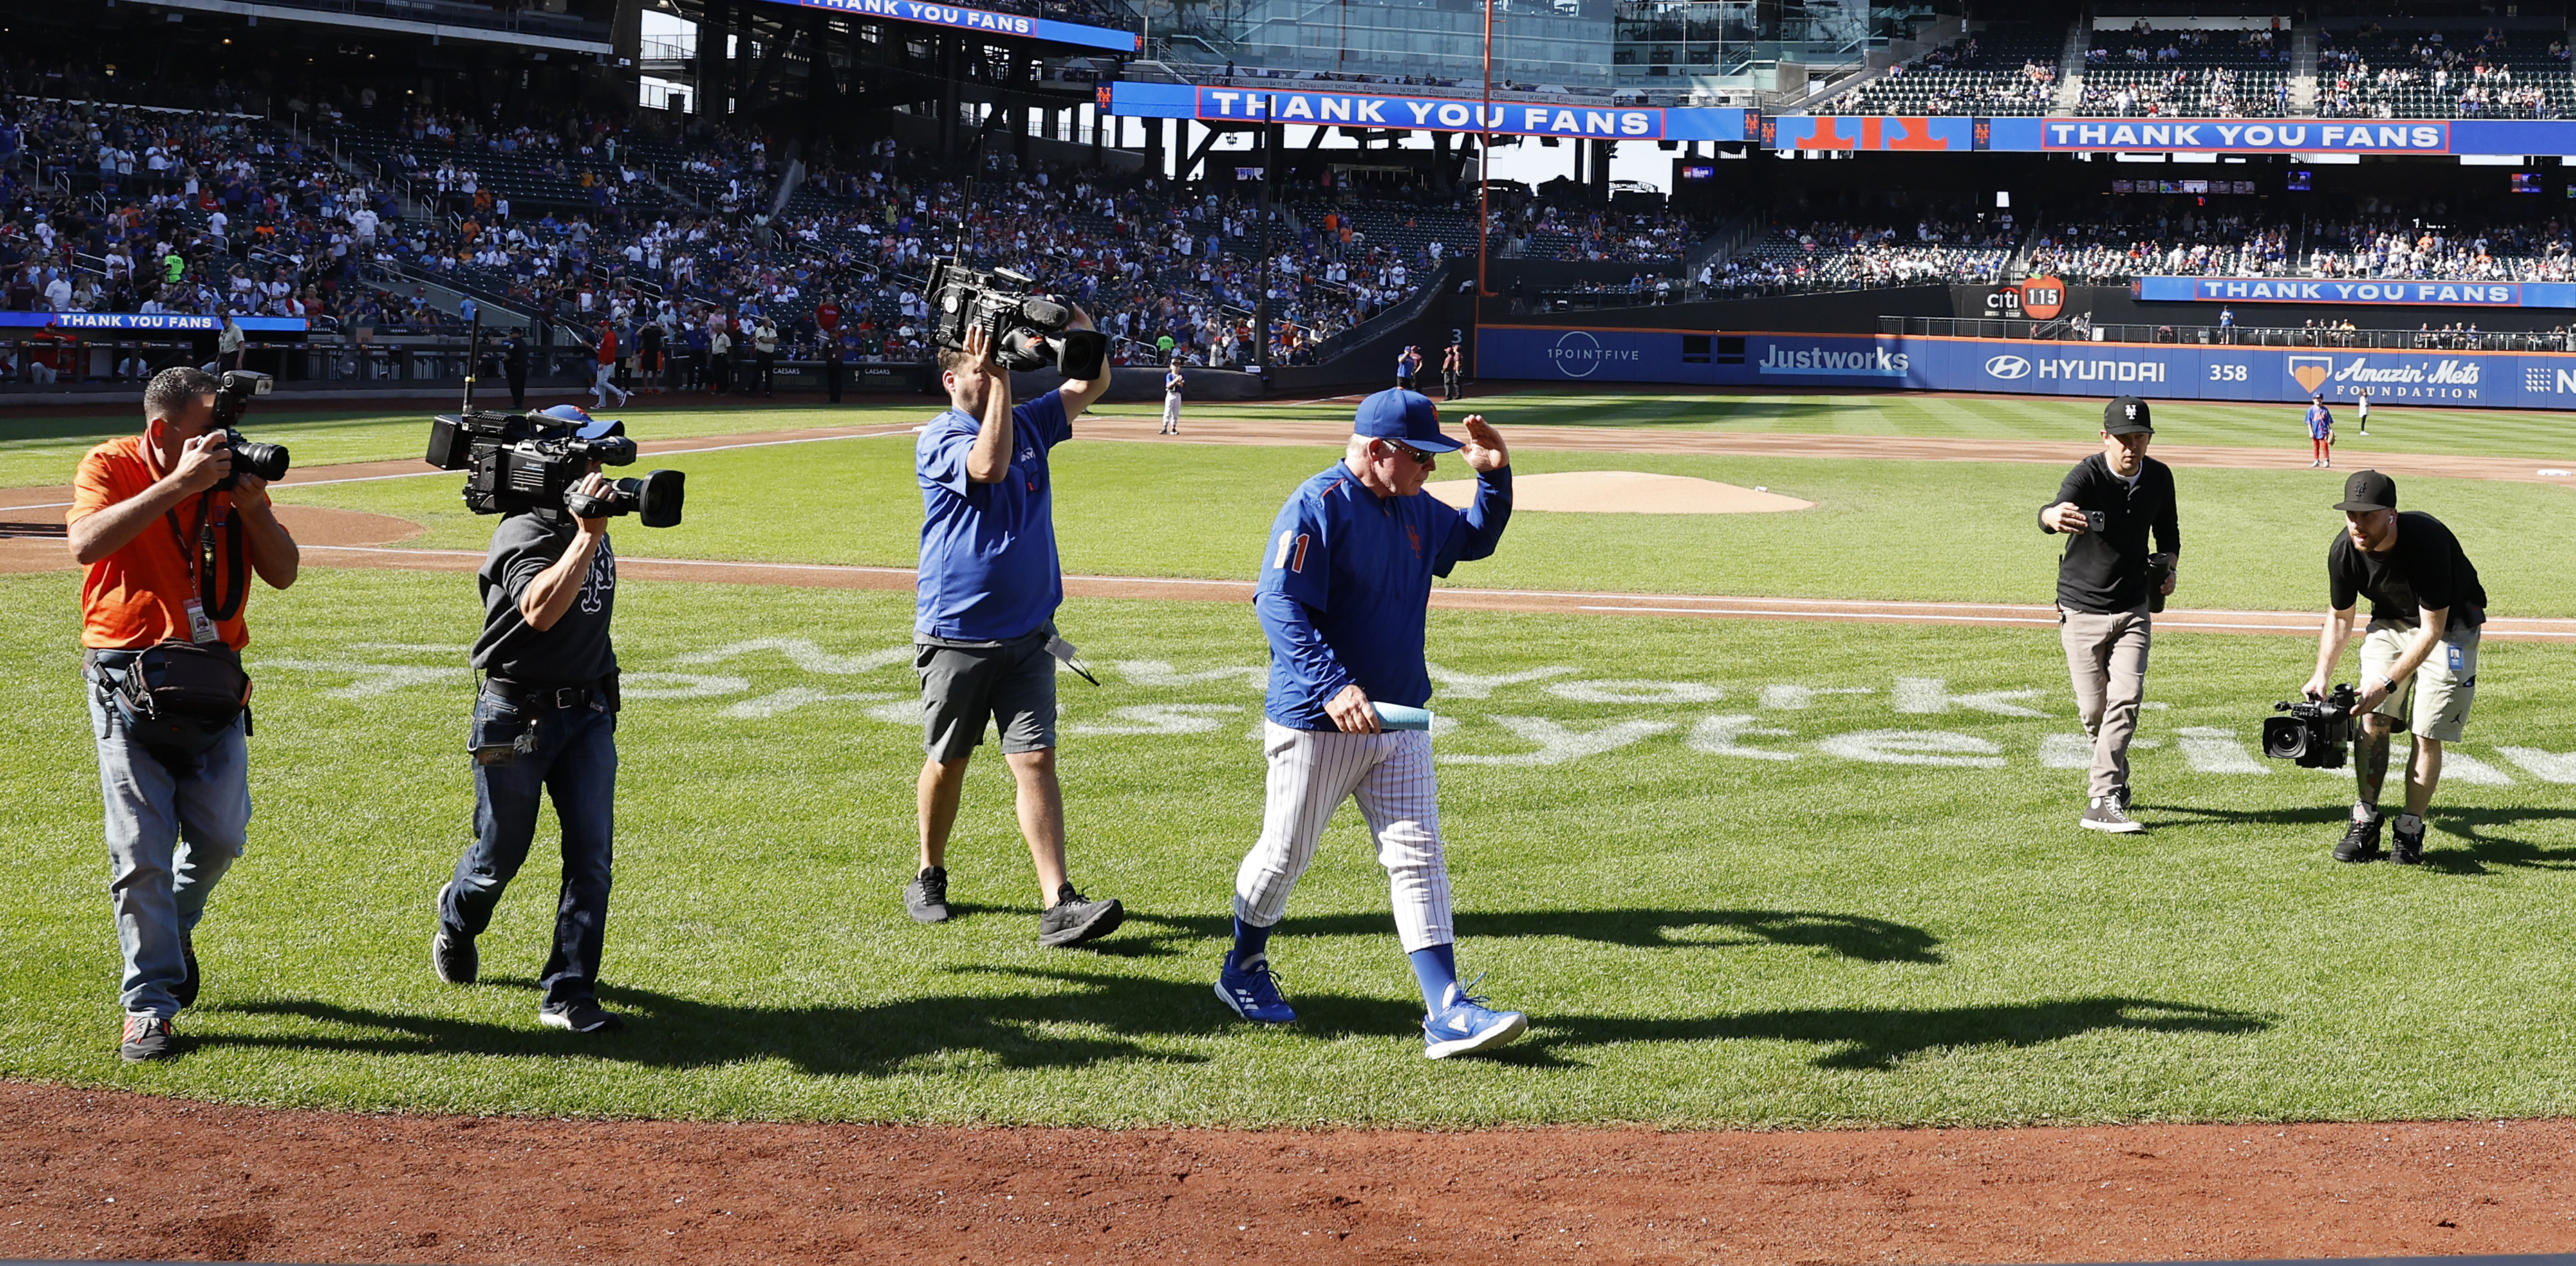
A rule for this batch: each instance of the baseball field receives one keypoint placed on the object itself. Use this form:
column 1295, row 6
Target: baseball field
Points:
column 1812, row 870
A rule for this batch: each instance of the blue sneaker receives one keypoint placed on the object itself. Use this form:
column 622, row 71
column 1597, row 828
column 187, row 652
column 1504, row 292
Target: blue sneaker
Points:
column 1465, row 1024
column 1252, row 991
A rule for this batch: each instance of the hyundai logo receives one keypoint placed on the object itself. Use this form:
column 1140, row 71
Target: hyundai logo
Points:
column 2007, row 367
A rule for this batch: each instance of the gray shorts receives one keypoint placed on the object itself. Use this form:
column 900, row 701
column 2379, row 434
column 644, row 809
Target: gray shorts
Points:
column 1011, row 685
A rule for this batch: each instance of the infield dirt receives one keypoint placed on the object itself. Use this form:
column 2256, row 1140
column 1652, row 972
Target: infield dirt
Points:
column 118, row 1176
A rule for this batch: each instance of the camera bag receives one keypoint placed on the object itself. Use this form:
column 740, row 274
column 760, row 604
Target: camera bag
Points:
column 181, row 697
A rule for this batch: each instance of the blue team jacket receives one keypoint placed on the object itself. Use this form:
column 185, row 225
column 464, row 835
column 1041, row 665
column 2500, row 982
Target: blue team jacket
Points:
column 1347, row 580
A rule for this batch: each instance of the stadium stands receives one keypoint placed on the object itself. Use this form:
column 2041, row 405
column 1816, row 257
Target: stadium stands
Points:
column 2003, row 69
column 2147, row 72
column 2491, row 73
column 1838, row 256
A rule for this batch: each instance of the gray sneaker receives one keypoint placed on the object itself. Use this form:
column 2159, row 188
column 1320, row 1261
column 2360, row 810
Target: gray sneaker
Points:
column 2105, row 814
column 1075, row 918
column 926, row 897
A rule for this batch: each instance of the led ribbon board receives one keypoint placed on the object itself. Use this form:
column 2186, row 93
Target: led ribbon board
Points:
column 959, row 17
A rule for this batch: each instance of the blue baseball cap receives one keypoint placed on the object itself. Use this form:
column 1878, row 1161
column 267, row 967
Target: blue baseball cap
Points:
column 589, row 428
column 1407, row 417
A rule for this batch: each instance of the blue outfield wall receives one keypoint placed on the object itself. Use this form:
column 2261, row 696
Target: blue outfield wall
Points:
column 2486, row 380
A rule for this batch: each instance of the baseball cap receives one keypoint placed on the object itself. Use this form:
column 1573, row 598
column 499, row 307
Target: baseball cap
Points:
column 588, row 427
column 2127, row 415
column 1405, row 416
column 2368, row 490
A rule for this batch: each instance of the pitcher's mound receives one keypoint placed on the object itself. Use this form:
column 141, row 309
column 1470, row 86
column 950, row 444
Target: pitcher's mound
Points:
column 1624, row 492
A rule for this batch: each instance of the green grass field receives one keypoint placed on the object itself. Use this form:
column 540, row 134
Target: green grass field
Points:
column 1774, row 874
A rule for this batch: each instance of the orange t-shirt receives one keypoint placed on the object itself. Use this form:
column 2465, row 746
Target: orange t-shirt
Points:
column 139, row 595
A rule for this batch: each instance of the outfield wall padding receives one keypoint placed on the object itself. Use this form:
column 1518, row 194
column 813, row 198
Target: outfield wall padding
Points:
column 1896, row 362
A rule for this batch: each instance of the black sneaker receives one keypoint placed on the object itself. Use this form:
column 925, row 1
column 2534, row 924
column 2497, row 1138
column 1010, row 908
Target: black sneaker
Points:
column 2361, row 843
column 2406, row 848
column 1075, row 918
column 185, row 992
column 146, row 1038
column 452, row 954
column 926, row 897
column 580, row 1017
column 2120, row 795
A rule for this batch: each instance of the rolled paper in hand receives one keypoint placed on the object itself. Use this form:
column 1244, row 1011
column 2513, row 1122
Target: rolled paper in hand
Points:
column 1396, row 716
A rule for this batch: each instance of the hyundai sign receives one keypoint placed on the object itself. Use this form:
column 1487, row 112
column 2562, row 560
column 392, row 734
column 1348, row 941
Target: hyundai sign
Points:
column 2157, row 371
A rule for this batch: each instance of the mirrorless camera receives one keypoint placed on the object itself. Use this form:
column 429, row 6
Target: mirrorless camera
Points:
column 1027, row 331
column 2317, row 734
column 518, row 462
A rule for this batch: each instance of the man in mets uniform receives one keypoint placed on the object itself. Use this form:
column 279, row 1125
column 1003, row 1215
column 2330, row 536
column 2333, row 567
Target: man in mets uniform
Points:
column 1342, row 598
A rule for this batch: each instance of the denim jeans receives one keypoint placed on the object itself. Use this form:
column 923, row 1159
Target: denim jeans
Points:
column 574, row 760
column 171, row 834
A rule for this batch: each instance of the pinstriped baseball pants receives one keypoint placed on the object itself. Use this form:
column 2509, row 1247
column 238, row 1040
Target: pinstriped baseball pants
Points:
column 1311, row 773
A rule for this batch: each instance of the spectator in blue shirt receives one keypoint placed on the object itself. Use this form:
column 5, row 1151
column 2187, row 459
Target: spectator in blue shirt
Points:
column 983, row 625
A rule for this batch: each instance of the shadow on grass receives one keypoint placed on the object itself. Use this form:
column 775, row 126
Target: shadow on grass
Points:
column 1121, row 1016
column 1835, row 935
column 1881, row 1037
column 2495, row 835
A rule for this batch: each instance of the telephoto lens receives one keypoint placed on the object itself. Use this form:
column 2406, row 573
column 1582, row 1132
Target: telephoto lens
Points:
column 250, row 457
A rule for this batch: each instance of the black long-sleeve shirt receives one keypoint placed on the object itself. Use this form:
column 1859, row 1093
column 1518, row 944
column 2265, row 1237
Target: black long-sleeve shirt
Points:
column 2106, row 571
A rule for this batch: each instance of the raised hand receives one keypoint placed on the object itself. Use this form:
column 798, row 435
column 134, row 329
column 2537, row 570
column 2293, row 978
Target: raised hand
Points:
column 1484, row 449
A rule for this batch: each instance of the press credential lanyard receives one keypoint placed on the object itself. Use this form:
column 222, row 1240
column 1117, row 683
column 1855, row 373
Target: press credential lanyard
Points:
column 200, row 628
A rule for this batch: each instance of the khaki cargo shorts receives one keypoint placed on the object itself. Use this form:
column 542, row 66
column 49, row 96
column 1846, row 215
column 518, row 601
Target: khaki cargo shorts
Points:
column 2435, row 704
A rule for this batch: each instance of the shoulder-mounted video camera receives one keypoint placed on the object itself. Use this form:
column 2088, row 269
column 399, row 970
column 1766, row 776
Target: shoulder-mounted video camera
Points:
column 234, row 389
column 2316, row 734
column 526, row 462
column 1026, row 331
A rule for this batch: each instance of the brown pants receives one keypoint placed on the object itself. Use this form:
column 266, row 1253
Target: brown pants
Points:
column 2107, row 657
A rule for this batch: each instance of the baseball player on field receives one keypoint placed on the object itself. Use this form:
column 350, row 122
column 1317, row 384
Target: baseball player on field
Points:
column 1342, row 597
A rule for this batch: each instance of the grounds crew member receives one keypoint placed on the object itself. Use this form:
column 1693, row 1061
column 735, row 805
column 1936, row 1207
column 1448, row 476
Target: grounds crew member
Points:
column 2419, row 655
column 1345, row 583
column 2108, row 583
column 544, row 723
column 163, row 553
column 983, row 628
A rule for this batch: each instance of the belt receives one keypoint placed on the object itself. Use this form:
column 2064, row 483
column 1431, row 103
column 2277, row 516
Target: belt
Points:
column 561, row 698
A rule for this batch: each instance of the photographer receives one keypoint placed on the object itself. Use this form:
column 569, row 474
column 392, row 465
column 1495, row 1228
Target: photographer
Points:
column 2419, row 655
column 544, row 723
column 989, row 586
column 2108, row 585
column 163, row 550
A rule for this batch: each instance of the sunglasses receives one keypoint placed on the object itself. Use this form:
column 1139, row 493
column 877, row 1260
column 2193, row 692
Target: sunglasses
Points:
column 1419, row 457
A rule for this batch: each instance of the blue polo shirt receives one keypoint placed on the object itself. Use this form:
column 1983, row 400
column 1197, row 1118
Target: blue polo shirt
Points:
column 1345, row 584
column 988, row 562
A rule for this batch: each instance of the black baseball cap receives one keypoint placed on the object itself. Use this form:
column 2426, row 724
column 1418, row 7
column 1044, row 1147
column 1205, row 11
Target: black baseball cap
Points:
column 2368, row 490
column 2127, row 416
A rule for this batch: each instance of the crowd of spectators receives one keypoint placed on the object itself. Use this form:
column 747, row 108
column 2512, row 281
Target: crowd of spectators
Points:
column 2102, row 247
column 1851, row 256
column 2430, row 74
column 2393, row 246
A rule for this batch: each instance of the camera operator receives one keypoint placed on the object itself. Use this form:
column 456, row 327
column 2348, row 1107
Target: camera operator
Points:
column 2107, row 586
column 2419, row 655
column 161, row 546
column 989, row 588
column 545, row 723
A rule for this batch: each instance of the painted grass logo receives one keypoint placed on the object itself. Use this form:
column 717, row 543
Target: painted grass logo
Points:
column 1760, row 724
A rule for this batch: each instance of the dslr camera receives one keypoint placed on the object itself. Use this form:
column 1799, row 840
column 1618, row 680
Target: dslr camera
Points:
column 2317, row 734
column 518, row 462
column 233, row 392
column 1026, row 331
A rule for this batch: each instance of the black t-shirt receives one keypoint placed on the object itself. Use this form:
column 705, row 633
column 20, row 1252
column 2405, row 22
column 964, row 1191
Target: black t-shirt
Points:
column 2426, row 568
column 576, row 650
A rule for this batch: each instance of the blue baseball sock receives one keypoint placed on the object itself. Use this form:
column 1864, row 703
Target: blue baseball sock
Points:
column 1249, row 942
column 1437, row 969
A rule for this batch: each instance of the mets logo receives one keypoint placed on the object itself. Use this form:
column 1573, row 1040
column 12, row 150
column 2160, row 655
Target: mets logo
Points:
column 2311, row 371
column 2007, row 367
